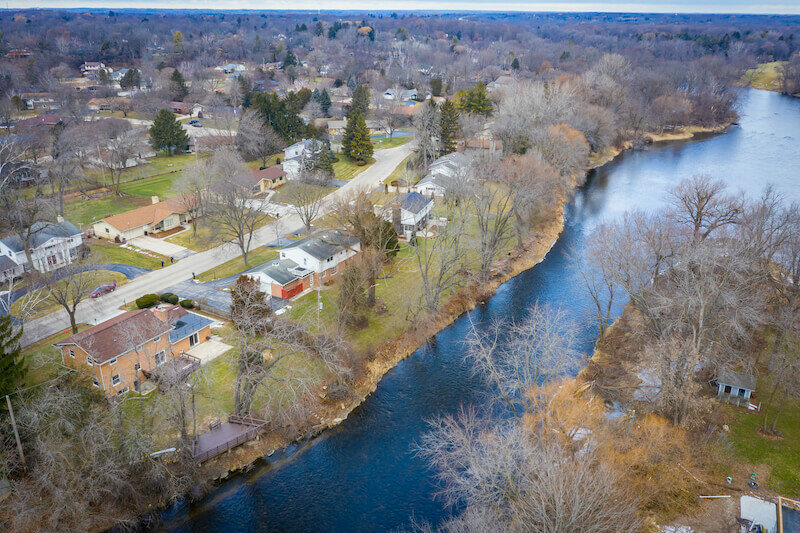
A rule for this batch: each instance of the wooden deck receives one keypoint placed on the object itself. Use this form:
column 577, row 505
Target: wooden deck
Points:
column 222, row 437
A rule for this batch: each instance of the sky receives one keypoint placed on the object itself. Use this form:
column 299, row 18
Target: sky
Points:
column 650, row 6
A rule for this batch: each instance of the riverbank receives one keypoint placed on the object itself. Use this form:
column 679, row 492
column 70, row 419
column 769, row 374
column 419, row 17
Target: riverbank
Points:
column 390, row 352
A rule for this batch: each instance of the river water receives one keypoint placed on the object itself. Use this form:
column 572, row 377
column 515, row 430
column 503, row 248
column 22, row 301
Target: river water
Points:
column 363, row 475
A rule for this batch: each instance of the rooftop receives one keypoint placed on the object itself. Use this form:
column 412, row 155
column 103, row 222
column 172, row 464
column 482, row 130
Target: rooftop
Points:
column 43, row 232
column 148, row 214
column 324, row 243
column 737, row 379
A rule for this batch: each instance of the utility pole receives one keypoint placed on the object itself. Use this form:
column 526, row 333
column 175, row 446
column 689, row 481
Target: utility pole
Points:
column 16, row 433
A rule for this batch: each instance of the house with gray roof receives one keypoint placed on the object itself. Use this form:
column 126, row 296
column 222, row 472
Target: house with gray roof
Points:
column 408, row 213
column 52, row 245
column 296, row 155
column 307, row 263
column 737, row 385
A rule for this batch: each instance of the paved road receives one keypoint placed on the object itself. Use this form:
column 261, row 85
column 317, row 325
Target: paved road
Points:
column 108, row 305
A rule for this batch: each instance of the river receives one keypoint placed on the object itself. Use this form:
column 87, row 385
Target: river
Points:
column 363, row 475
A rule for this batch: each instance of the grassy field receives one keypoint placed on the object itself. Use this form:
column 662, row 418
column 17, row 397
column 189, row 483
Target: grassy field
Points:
column 206, row 238
column 286, row 192
column 764, row 76
column 84, row 212
column 46, row 306
column 402, row 172
column 783, row 455
column 111, row 253
column 236, row 265
column 41, row 357
column 382, row 144
column 345, row 168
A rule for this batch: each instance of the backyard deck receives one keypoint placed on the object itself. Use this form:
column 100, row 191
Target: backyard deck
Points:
column 223, row 436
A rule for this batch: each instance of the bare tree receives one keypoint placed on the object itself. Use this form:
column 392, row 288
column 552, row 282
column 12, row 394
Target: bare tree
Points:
column 306, row 201
column 120, row 143
column 192, row 187
column 237, row 215
column 256, row 139
column 25, row 218
column 492, row 204
column 440, row 261
column 702, row 204
column 72, row 285
column 12, row 162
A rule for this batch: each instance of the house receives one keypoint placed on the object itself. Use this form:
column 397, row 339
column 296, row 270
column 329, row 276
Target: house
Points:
column 9, row 269
column 231, row 68
column 107, row 104
column 119, row 74
column 307, row 263
column 268, row 178
column 294, row 157
column 40, row 101
column 185, row 108
column 122, row 353
column 408, row 213
column 432, row 185
column 47, row 120
column 737, row 385
column 443, row 173
column 400, row 94
column 91, row 67
column 153, row 218
column 53, row 245
column 501, row 82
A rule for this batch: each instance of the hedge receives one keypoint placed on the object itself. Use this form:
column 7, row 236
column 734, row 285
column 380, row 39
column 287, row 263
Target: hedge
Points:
column 169, row 298
column 187, row 304
column 148, row 300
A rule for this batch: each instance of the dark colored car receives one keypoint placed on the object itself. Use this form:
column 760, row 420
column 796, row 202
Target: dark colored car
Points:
column 103, row 289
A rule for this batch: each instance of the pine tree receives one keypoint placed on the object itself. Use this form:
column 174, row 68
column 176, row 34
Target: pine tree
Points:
column 357, row 143
column 102, row 77
column 474, row 101
column 449, row 127
column 166, row 133
column 436, row 86
column 131, row 79
column 290, row 60
column 325, row 101
column 318, row 28
column 177, row 85
column 323, row 162
column 12, row 367
column 361, row 98
column 515, row 63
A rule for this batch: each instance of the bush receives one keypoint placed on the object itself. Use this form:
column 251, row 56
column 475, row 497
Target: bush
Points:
column 148, row 300
column 169, row 298
column 360, row 162
column 187, row 304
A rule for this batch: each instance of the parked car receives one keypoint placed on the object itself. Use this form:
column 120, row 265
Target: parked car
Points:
column 197, row 125
column 104, row 289
column 193, row 121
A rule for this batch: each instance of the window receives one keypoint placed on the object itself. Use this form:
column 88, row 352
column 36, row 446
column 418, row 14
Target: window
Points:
column 112, row 361
column 72, row 354
column 161, row 357
column 123, row 390
column 333, row 270
column 90, row 361
column 137, row 366
column 96, row 383
column 115, row 380
column 107, row 231
column 194, row 338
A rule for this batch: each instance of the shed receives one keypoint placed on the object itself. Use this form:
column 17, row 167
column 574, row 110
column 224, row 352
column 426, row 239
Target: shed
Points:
column 732, row 383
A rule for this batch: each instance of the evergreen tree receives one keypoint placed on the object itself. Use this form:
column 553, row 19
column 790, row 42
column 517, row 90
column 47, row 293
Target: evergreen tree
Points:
column 361, row 98
column 325, row 101
column 167, row 134
column 12, row 367
column 357, row 143
column 177, row 85
column 515, row 63
column 436, row 86
column 290, row 60
column 449, row 127
column 102, row 77
column 318, row 28
column 246, row 90
column 131, row 80
column 277, row 114
column 474, row 101
column 322, row 160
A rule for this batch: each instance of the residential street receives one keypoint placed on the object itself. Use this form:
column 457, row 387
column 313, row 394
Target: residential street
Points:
column 107, row 306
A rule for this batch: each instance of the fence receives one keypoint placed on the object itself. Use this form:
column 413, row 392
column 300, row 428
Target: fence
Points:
column 739, row 401
column 256, row 427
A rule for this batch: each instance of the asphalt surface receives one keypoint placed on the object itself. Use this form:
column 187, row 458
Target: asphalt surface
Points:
column 107, row 306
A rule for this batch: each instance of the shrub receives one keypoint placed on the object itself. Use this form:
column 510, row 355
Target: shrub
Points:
column 169, row 298
column 187, row 304
column 148, row 300
column 360, row 162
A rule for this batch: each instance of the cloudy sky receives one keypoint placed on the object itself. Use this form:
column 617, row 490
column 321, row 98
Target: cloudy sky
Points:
column 657, row 6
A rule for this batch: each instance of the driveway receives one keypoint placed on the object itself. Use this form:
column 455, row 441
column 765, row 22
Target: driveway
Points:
column 207, row 293
column 160, row 246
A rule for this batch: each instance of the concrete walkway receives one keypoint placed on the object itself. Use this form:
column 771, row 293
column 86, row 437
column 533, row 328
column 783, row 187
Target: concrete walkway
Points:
column 101, row 309
column 160, row 246
column 209, row 350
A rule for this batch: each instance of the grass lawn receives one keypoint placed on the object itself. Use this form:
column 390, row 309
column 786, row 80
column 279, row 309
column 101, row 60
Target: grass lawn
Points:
column 402, row 172
column 271, row 160
column 46, row 306
column 782, row 455
column 207, row 236
column 111, row 253
column 161, row 186
column 236, row 265
column 382, row 144
column 764, row 76
column 287, row 191
column 41, row 356
column 84, row 212
column 345, row 168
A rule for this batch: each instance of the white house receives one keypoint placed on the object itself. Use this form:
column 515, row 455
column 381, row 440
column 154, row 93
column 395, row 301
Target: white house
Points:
column 294, row 157
column 231, row 68
column 401, row 94
column 53, row 245
column 93, row 66
column 432, row 185
column 408, row 213
column 307, row 263
column 447, row 171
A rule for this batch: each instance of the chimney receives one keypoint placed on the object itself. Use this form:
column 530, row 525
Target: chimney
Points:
column 154, row 199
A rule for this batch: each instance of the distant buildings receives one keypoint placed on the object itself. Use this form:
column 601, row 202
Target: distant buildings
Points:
column 52, row 245
column 40, row 101
column 92, row 67
column 400, row 94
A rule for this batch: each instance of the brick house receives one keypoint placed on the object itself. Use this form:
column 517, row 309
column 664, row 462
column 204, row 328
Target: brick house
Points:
column 123, row 352
column 307, row 263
